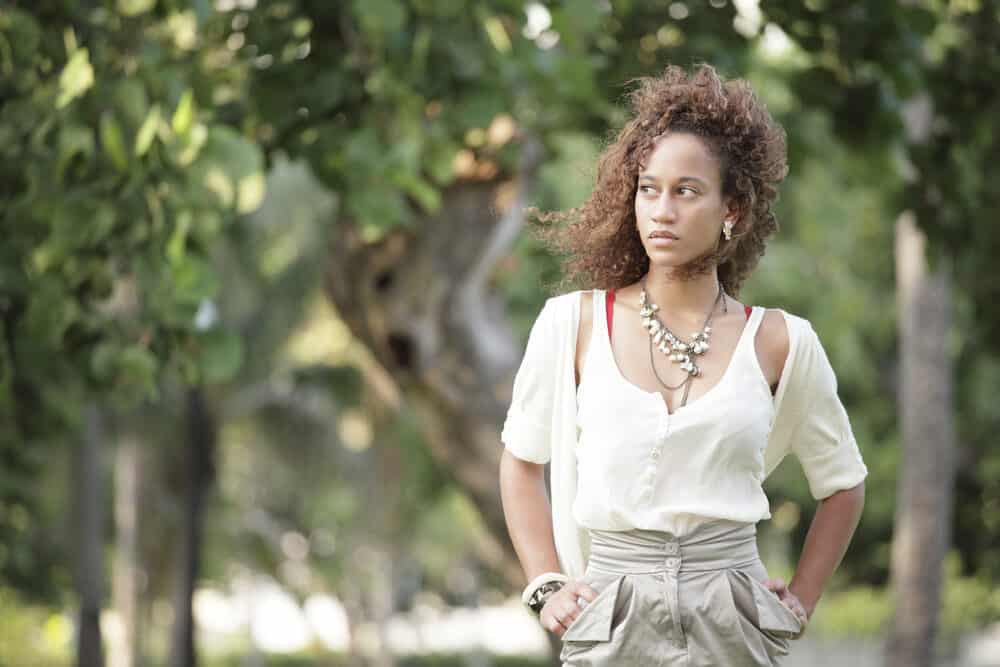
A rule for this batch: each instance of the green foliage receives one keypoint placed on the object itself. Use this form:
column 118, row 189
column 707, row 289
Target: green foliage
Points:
column 108, row 213
column 133, row 133
column 863, row 67
column 32, row 636
column 969, row 604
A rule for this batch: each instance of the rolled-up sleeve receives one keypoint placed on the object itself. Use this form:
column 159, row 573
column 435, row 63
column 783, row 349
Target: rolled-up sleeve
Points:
column 822, row 439
column 527, row 429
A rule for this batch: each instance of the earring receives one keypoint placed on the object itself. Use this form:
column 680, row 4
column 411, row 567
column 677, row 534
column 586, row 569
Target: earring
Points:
column 727, row 230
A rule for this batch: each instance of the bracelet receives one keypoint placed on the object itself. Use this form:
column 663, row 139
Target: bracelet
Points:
column 543, row 578
column 542, row 594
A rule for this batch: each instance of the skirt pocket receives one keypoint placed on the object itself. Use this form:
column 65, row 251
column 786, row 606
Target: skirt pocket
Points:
column 596, row 622
column 763, row 610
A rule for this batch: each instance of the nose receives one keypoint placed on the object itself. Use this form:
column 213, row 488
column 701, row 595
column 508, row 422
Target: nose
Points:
column 664, row 210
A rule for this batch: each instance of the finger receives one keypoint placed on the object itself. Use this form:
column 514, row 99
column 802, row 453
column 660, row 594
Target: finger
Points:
column 586, row 592
column 568, row 611
column 556, row 625
column 776, row 585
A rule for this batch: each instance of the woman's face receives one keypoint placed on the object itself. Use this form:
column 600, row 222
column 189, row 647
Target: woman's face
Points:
column 679, row 192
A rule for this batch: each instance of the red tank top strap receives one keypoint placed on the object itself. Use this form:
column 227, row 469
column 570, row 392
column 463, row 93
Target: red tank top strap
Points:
column 748, row 309
column 609, row 306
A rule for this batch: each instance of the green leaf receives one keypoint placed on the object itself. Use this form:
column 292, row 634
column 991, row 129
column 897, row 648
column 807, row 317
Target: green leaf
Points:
column 231, row 168
column 184, row 150
column 184, row 114
column 376, row 205
column 426, row 194
column 99, row 224
column 221, row 355
column 135, row 7
column 137, row 372
column 50, row 313
column 74, row 140
column 131, row 101
column 380, row 16
column 439, row 161
column 194, row 279
column 76, row 78
column 103, row 360
column 147, row 132
column 178, row 238
column 113, row 142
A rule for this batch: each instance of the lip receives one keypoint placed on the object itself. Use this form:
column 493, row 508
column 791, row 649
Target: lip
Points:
column 663, row 240
column 663, row 235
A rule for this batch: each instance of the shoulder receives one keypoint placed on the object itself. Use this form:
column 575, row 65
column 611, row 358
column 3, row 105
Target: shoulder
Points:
column 780, row 329
column 565, row 308
column 567, row 299
column 779, row 337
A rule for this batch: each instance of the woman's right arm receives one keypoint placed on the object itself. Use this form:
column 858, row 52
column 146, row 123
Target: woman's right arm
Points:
column 528, row 514
column 529, row 522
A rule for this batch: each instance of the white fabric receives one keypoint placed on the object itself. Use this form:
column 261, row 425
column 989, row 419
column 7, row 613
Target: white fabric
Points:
column 541, row 425
column 703, row 461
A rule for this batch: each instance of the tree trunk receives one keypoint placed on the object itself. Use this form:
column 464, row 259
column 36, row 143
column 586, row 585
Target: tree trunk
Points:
column 127, row 568
column 89, row 538
column 199, row 472
column 924, row 493
column 439, row 336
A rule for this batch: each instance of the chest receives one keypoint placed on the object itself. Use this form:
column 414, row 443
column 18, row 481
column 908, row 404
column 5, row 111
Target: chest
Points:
column 612, row 336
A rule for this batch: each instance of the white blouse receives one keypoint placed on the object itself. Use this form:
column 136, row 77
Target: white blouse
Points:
column 670, row 471
column 643, row 467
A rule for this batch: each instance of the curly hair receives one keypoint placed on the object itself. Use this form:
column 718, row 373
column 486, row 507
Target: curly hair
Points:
column 600, row 246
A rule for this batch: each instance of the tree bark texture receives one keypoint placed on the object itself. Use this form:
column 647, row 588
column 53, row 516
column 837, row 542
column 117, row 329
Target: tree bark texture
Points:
column 926, row 478
column 89, row 538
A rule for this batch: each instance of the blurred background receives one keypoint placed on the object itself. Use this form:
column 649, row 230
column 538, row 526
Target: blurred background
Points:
column 265, row 278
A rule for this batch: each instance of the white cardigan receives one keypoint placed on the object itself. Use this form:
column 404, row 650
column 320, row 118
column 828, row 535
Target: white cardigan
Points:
column 810, row 420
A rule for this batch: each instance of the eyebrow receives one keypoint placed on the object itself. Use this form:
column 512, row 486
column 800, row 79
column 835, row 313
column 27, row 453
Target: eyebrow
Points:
column 650, row 177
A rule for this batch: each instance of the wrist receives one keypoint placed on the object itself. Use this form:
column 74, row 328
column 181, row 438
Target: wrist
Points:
column 541, row 587
column 542, row 594
column 807, row 601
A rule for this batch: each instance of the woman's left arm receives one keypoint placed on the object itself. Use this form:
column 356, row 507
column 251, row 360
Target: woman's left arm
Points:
column 826, row 543
column 812, row 423
column 829, row 535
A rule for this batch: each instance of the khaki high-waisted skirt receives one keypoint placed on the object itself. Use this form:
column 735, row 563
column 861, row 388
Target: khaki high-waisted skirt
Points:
column 694, row 601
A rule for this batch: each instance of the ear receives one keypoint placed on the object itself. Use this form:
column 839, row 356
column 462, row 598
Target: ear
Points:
column 733, row 210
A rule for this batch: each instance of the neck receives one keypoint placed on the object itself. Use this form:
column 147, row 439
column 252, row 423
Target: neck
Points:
column 688, row 299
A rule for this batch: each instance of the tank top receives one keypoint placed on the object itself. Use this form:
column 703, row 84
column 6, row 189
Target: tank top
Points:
column 639, row 466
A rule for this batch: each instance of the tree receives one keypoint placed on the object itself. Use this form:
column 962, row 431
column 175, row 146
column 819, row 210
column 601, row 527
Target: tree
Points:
column 912, row 78
column 114, row 184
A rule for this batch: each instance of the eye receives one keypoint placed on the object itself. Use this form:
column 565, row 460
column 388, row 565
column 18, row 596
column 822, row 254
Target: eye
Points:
column 646, row 189
column 684, row 187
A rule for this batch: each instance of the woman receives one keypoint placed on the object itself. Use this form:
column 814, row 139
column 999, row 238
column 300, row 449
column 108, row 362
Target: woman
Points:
column 662, row 403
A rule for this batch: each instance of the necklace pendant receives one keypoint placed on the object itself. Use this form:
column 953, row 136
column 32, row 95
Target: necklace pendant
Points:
column 689, row 366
